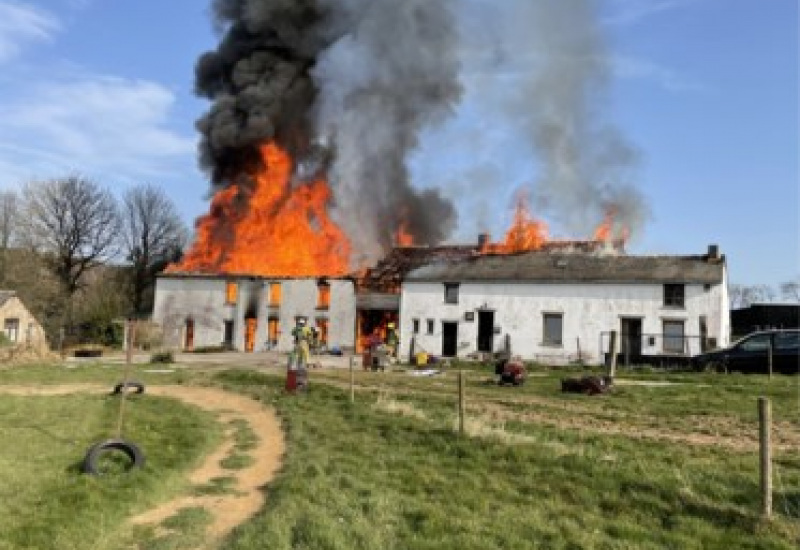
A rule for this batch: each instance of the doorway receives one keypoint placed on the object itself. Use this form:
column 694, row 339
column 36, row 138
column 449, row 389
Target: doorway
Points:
column 486, row 331
column 188, row 342
column 250, row 334
column 227, row 337
column 631, row 340
column 449, row 338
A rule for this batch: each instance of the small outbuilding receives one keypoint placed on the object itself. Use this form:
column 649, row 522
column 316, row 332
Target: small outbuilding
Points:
column 20, row 328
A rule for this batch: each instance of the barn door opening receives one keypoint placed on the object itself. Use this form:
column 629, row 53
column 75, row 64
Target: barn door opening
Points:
column 250, row 334
column 485, row 331
column 449, row 338
column 188, row 341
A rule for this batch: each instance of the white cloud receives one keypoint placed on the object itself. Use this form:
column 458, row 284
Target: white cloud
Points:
column 626, row 12
column 93, row 125
column 630, row 67
column 21, row 24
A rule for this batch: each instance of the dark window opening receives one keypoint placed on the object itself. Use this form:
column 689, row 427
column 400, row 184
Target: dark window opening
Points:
column 674, row 295
column 415, row 326
column 430, row 326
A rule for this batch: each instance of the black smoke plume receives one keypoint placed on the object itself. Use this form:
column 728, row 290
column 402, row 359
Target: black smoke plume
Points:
column 346, row 86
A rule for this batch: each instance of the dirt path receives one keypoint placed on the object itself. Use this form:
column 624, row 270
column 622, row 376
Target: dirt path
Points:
column 246, row 496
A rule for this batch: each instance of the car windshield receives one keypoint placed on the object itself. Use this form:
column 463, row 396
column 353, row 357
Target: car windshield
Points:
column 787, row 340
column 760, row 342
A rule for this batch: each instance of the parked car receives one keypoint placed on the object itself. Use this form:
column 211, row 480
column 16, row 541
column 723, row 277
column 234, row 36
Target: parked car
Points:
column 751, row 354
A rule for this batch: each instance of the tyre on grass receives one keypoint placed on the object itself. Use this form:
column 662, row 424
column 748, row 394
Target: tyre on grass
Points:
column 135, row 387
column 112, row 456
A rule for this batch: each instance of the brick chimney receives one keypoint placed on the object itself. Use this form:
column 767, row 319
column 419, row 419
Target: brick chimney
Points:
column 483, row 240
column 713, row 253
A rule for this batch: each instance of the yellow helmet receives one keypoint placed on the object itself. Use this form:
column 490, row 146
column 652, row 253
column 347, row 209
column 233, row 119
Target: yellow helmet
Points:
column 390, row 325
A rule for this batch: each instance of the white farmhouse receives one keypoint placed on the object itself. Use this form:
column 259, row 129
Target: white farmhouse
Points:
column 557, row 307
column 252, row 313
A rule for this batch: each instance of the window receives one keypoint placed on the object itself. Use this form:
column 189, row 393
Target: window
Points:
column 553, row 327
column 274, row 294
column 703, row 333
column 227, row 339
column 272, row 331
column 430, row 326
column 415, row 326
column 231, row 290
column 787, row 340
column 673, row 337
column 451, row 293
column 323, row 295
column 11, row 329
column 674, row 295
column 756, row 343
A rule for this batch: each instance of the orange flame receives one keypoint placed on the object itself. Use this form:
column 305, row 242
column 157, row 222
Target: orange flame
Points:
column 605, row 231
column 271, row 229
column 525, row 233
column 402, row 237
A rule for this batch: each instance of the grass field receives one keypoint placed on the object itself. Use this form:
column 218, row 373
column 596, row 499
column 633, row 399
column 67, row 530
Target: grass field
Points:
column 669, row 464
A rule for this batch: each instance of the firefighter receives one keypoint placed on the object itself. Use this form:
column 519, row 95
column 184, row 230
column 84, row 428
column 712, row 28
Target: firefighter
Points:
column 302, row 341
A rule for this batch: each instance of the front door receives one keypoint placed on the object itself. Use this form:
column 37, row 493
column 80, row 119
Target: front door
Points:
column 449, row 339
column 631, row 340
column 485, row 331
column 188, row 343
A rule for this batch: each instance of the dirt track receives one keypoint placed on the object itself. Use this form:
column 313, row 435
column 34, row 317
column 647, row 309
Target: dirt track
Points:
column 230, row 509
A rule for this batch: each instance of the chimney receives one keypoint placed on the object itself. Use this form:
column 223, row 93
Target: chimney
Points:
column 713, row 253
column 483, row 240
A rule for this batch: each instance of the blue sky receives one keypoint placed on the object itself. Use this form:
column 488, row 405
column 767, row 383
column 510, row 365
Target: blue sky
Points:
column 706, row 90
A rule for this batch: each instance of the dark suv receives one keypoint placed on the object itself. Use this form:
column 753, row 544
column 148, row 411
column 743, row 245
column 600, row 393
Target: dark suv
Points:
column 751, row 354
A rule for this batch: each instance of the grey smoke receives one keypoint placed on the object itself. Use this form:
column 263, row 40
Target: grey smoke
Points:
column 586, row 166
column 345, row 85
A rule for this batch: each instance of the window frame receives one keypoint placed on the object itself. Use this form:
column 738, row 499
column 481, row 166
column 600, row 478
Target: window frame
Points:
column 415, row 326
column 430, row 325
column 11, row 329
column 667, row 338
column 674, row 295
column 231, row 293
column 323, row 295
column 451, row 292
column 553, row 315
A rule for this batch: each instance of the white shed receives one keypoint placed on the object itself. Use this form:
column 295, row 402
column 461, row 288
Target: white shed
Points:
column 557, row 307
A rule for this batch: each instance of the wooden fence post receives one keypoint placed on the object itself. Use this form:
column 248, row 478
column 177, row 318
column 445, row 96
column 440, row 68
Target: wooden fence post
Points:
column 612, row 350
column 765, row 455
column 461, row 402
column 352, row 380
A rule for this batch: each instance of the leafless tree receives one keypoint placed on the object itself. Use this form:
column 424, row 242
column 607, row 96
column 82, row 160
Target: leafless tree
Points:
column 153, row 235
column 790, row 290
column 9, row 218
column 746, row 295
column 74, row 223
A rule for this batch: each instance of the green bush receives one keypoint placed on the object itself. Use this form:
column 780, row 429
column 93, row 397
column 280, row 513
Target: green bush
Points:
column 211, row 349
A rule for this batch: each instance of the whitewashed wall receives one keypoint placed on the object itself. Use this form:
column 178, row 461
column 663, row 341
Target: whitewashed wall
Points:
column 203, row 299
column 588, row 310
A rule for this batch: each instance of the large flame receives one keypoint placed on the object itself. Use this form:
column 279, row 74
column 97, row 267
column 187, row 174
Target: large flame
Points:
column 273, row 229
column 525, row 233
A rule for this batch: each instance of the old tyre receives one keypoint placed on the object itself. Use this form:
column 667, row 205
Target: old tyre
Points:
column 136, row 387
column 112, row 456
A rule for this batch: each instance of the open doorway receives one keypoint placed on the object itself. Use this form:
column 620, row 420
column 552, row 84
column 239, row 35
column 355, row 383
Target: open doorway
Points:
column 631, row 339
column 449, row 338
column 250, row 334
column 188, row 340
column 486, row 331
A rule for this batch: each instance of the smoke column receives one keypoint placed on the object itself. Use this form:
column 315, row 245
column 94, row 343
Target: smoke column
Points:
column 586, row 164
column 345, row 86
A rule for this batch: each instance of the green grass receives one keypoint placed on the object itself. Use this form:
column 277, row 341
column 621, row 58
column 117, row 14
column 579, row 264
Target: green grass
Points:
column 46, row 502
column 390, row 471
column 371, row 475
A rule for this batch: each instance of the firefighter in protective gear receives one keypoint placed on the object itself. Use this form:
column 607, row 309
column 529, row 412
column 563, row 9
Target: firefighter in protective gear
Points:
column 302, row 342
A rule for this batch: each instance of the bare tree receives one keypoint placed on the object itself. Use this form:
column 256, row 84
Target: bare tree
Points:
column 9, row 219
column 74, row 223
column 790, row 290
column 153, row 236
column 746, row 295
